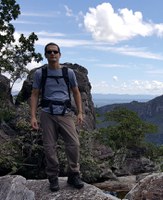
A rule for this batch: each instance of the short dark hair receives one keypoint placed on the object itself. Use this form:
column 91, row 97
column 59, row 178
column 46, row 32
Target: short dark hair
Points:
column 51, row 43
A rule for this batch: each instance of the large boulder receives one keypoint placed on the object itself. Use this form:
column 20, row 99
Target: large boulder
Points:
column 18, row 188
column 151, row 188
column 84, row 87
column 133, row 161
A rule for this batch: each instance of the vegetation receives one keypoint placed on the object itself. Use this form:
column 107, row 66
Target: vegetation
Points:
column 127, row 129
column 24, row 154
column 90, row 165
column 23, row 151
column 15, row 53
column 6, row 112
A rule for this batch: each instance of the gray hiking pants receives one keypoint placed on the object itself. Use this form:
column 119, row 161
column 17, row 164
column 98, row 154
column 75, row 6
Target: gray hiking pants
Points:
column 53, row 125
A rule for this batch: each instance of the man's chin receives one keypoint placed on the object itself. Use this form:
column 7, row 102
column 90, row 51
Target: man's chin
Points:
column 53, row 59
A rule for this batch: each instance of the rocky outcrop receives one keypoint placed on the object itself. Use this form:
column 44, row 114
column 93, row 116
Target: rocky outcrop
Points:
column 121, row 184
column 18, row 188
column 127, row 164
column 5, row 93
column 143, row 187
column 151, row 188
column 84, row 87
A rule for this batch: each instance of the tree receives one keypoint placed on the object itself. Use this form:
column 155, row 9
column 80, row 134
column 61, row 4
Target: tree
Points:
column 9, row 10
column 127, row 129
column 14, row 54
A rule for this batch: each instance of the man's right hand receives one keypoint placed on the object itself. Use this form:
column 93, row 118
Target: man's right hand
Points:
column 34, row 123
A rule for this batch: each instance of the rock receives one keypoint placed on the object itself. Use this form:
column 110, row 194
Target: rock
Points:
column 102, row 152
column 18, row 188
column 84, row 87
column 122, row 184
column 5, row 90
column 129, row 163
column 14, row 188
column 7, row 130
column 149, row 188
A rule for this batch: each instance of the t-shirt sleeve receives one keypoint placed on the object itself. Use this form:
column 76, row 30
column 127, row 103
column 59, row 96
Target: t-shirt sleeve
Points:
column 72, row 79
column 37, row 79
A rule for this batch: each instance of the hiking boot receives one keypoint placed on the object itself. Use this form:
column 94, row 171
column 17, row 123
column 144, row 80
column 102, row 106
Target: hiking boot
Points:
column 75, row 180
column 54, row 185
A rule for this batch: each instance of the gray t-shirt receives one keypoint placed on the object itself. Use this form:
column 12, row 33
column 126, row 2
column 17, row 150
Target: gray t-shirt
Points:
column 55, row 90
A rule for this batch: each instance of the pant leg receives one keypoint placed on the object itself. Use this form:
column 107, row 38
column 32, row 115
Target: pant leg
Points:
column 69, row 134
column 50, row 136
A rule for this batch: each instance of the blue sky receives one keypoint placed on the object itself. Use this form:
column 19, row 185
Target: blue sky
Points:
column 119, row 42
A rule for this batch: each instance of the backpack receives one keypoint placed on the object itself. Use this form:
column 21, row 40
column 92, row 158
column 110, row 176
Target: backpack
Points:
column 49, row 103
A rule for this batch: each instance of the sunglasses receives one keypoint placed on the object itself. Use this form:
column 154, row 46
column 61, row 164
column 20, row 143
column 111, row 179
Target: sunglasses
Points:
column 53, row 51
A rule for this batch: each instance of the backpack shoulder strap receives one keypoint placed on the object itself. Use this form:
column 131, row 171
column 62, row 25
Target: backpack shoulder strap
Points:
column 65, row 75
column 43, row 80
column 66, row 78
column 44, row 77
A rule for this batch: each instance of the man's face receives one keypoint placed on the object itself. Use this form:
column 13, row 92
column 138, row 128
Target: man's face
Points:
column 52, row 53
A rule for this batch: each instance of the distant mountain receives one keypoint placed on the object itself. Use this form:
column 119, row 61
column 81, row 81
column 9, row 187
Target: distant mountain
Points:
column 107, row 99
column 150, row 111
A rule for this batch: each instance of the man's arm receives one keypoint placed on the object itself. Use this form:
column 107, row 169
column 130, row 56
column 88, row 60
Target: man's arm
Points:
column 78, row 102
column 34, row 103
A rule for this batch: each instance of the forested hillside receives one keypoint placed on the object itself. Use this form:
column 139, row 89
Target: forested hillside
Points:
column 150, row 111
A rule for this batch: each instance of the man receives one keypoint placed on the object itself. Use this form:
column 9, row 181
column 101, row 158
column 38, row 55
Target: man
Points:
column 56, row 117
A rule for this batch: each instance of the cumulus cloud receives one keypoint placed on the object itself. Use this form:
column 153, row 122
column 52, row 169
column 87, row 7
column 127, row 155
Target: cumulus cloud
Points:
column 151, row 86
column 105, row 24
column 145, row 87
column 101, row 87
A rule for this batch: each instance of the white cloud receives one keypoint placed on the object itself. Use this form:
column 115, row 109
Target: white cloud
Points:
column 18, row 84
column 115, row 78
column 101, row 87
column 129, row 87
column 30, row 14
column 33, row 65
column 112, row 65
column 150, row 86
column 131, row 51
column 155, row 72
column 64, row 42
column 48, row 34
column 137, row 52
column 46, row 37
column 69, row 12
column 107, row 25
column 159, row 29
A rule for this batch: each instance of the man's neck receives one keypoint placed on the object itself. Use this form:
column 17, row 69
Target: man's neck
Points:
column 54, row 65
